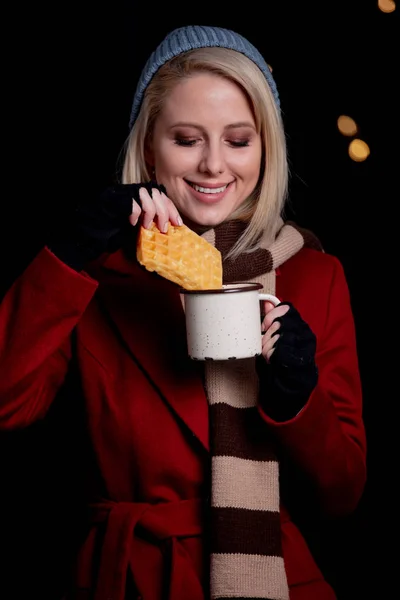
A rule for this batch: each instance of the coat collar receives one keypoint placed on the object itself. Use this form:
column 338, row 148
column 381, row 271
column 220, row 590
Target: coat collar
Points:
column 148, row 313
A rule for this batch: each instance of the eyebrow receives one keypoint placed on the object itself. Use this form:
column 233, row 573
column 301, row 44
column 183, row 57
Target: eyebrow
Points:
column 240, row 124
column 230, row 126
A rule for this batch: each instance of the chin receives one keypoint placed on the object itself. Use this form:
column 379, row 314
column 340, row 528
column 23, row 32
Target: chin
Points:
column 207, row 220
column 201, row 225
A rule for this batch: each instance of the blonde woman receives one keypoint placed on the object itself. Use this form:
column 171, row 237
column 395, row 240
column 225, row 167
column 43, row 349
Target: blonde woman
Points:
column 192, row 462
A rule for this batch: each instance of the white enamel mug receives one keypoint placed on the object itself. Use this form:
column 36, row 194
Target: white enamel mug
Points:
column 225, row 324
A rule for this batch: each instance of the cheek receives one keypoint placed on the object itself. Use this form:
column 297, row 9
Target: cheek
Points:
column 249, row 166
column 174, row 160
column 247, row 159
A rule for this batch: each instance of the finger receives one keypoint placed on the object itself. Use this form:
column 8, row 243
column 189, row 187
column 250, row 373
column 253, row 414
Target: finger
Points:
column 272, row 331
column 148, row 207
column 173, row 213
column 270, row 340
column 136, row 212
column 162, row 214
column 278, row 311
column 268, row 346
column 267, row 306
column 267, row 352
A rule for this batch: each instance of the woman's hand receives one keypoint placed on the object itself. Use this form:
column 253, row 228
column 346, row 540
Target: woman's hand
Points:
column 289, row 373
column 270, row 327
column 151, row 204
column 99, row 224
column 288, row 340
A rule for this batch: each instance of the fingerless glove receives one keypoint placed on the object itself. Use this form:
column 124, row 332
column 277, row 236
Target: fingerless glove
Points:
column 287, row 381
column 98, row 227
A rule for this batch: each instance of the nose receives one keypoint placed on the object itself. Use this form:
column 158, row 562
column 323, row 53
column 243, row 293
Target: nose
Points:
column 212, row 160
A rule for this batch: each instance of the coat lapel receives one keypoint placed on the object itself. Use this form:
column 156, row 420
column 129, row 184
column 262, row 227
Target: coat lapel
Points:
column 148, row 312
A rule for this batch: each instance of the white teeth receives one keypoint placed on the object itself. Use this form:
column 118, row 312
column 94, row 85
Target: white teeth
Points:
column 205, row 190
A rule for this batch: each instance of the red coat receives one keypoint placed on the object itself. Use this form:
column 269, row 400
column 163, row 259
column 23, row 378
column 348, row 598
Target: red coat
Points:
column 148, row 414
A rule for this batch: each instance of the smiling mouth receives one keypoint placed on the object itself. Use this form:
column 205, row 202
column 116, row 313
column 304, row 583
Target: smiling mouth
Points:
column 207, row 190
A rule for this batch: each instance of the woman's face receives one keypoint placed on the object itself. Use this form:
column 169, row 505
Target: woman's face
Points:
column 205, row 148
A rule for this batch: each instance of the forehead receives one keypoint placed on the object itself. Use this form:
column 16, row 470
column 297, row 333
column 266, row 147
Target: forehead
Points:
column 206, row 95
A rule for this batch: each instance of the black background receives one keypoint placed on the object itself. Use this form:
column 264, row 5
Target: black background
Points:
column 69, row 76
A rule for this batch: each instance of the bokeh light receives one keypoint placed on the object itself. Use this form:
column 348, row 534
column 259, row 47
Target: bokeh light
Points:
column 386, row 6
column 347, row 125
column 358, row 150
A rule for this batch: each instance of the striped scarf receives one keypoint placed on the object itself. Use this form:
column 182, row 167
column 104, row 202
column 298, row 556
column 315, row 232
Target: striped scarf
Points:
column 246, row 549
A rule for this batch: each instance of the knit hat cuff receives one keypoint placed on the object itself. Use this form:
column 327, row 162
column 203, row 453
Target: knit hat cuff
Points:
column 191, row 37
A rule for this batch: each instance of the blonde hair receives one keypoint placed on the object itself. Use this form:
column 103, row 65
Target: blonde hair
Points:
column 262, row 210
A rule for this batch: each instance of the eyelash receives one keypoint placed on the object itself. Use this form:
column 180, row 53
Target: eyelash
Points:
column 190, row 143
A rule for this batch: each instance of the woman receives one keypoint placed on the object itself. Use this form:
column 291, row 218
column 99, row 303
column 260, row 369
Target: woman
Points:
column 186, row 487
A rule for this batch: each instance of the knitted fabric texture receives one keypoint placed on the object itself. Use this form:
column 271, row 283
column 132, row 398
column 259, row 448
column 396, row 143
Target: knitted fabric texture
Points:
column 246, row 559
column 191, row 37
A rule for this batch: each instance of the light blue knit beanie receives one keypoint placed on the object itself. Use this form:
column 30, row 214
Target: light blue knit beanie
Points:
column 188, row 38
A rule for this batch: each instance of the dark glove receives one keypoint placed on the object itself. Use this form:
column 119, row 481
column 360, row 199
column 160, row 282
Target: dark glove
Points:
column 287, row 381
column 99, row 226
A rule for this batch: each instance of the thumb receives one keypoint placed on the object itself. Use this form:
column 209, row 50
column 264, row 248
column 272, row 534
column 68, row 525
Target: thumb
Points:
column 268, row 306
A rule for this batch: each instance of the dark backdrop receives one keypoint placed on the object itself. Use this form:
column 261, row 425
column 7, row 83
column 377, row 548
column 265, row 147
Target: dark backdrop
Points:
column 69, row 78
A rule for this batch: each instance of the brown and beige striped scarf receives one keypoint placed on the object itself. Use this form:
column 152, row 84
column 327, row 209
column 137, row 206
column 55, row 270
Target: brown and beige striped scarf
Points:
column 246, row 551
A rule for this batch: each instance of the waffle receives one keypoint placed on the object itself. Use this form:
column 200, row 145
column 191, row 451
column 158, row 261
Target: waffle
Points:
column 181, row 256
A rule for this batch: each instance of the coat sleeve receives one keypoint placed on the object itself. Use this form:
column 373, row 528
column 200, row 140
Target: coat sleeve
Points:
column 37, row 315
column 326, row 439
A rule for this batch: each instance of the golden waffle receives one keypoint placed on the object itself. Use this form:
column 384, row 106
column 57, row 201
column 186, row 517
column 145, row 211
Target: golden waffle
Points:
column 181, row 256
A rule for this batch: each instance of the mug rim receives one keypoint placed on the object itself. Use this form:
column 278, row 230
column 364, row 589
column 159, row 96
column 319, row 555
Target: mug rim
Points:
column 237, row 287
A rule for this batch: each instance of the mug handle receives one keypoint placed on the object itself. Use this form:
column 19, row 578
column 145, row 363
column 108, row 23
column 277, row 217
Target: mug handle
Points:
column 270, row 298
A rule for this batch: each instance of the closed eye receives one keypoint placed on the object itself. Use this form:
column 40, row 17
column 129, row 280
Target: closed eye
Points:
column 239, row 143
column 191, row 142
column 185, row 142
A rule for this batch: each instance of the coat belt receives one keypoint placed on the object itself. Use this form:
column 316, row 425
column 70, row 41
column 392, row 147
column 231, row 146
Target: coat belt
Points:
column 129, row 522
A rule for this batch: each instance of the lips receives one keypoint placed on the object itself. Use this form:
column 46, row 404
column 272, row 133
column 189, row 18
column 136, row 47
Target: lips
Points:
column 210, row 193
column 208, row 189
